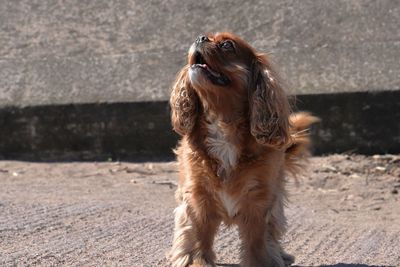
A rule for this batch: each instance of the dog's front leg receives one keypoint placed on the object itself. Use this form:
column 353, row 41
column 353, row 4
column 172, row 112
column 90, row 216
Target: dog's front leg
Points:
column 260, row 232
column 195, row 229
column 259, row 249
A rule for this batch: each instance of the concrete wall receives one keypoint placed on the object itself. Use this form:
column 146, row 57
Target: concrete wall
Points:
column 75, row 51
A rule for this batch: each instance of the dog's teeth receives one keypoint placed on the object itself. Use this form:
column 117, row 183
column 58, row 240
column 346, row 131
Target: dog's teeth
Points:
column 206, row 67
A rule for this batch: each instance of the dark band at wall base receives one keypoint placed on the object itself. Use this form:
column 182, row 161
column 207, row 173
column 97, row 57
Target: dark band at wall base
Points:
column 118, row 131
column 363, row 122
column 366, row 123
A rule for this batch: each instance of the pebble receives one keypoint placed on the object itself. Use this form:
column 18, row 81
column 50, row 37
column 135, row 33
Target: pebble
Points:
column 328, row 168
column 380, row 168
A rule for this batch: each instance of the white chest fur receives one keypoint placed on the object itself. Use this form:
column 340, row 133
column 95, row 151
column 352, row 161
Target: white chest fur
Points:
column 229, row 203
column 220, row 148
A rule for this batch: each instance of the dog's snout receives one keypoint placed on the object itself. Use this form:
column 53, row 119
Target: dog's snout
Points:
column 201, row 39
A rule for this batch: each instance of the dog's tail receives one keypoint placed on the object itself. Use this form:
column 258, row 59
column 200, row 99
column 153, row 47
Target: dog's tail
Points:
column 298, row 150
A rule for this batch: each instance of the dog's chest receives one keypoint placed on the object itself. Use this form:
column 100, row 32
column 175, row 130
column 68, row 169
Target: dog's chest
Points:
column 229, row 203
column 219, row 147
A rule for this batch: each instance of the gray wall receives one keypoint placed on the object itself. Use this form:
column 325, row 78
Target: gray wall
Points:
column 60, row 52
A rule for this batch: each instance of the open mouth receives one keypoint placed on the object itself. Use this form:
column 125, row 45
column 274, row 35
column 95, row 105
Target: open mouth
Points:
column 214, row 76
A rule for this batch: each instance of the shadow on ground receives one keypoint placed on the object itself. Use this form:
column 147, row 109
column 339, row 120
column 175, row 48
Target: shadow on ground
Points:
column 332, row 265
column 348, row 265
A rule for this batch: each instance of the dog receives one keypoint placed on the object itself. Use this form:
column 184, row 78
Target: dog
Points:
column 238, row 142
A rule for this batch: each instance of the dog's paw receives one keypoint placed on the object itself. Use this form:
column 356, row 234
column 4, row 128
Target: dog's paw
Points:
column 185, row 260
column 182, row 260
column 202, row 263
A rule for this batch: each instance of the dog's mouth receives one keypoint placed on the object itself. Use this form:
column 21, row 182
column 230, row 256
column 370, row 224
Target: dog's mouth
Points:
column 215, row 77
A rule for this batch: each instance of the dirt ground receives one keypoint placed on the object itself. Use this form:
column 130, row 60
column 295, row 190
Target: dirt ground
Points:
column 343, row 211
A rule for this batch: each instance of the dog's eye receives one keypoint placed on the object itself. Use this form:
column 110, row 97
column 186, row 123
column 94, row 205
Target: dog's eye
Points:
column 227, row 45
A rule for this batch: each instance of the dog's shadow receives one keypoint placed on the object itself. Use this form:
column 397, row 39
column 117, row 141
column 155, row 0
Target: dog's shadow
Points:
column 344, row 265
column 332, row 265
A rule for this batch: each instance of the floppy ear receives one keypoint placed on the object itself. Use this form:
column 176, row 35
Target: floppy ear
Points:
column 184, row 104
column 268, row 105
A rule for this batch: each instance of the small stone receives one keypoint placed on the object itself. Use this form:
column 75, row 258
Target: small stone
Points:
column 328, row 168
column 380, row 168
column 376, row 156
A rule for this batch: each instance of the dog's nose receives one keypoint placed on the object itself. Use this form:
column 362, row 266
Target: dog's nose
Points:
column 201, row 39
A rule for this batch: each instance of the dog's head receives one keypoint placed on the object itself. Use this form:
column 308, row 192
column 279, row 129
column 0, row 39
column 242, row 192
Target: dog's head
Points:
column 218, row 61
column 227, row 77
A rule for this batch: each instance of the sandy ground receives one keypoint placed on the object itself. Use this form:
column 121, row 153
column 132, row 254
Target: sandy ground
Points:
column 344, row 211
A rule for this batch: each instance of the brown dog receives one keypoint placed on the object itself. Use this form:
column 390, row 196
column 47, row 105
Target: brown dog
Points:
column 238, row 142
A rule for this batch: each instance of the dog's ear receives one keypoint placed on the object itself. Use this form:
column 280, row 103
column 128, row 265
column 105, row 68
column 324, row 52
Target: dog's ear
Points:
column 268, row 105
column 184, row 104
